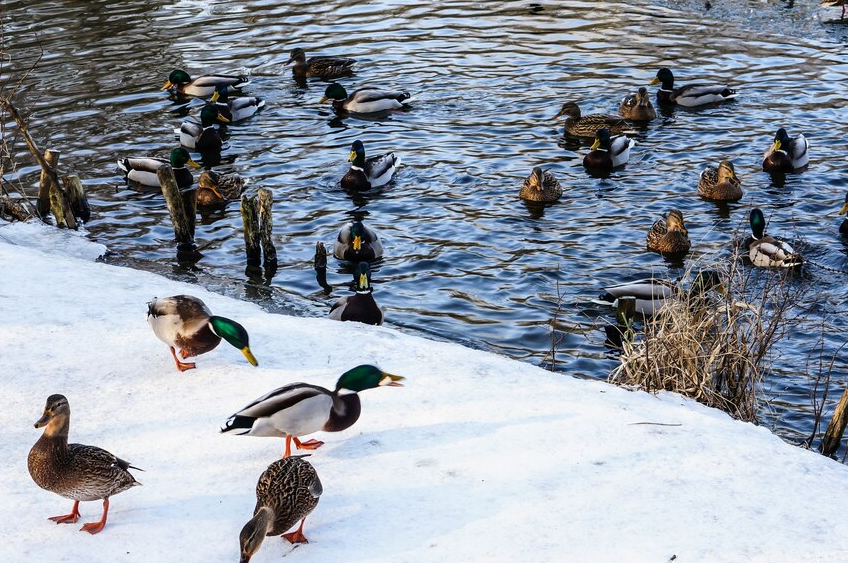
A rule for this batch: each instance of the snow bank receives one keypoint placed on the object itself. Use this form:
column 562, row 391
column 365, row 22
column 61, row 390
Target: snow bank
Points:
column 478, row 459
column 37, row 235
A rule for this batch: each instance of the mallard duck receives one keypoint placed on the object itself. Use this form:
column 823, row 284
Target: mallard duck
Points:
column 786, row 155
column 608, row 152
column 834, row 3
column 235, row 109
column 541, row 186
column 372, row 172
column 185, row 322
column 323, row 67
column 202, row 86
column 637, row 107
column 360, row 306
column 286, row 492
column 214, row 188
column 587, row 126
column 767, row 251
column 80, row 473
column 202, row 136
column 358, row 243
column 300, row 409
column 843, row 228
column 720, row 184
column 651, row 293
column 669, row 236
column 690, row 95
column 143, row 169
column 365, row 100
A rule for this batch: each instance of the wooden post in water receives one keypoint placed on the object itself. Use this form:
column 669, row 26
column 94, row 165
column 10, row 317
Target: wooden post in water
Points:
column 76, row 196
column 836, row 428
column 265, row 198
column 52, row 197
column 250, row 218
column 182, row 207
column 319, row 262
column 43, row 205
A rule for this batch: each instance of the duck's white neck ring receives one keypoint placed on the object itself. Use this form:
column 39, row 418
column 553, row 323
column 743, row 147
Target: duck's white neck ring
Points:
column 352, row 167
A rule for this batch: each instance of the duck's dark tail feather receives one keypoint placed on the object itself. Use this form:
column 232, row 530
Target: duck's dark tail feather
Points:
column 238, row 423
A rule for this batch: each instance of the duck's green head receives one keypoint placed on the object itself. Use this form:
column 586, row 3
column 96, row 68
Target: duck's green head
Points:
column 357, row 154
column 758, row 223
column 210, row 114
column 176, row 78
column 602, row 140
column 222, row 93
column 706, row 280
column 569, row 109
column 298, row 56
column 365, row 377
column 781, row 139
column 233, row 333
column 844, row 209
column 664, row 77
column 180, row 157
column 362, row 277
column 357, row 231
column 333, row 92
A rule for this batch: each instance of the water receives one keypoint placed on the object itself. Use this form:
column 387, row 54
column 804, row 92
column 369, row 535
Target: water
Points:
column 466, row 260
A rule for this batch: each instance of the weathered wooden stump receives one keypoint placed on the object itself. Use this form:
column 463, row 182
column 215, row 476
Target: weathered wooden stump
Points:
column 258, row 228
column 43, row 204
column 836, row 428
column 252, row 244
column 265, row 198
column 319, row 262
column 76, row 197
column 182, row 206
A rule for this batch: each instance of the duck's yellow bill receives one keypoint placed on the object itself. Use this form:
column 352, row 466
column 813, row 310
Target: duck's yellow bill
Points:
column 223, row 119
column 390, row 380
column 352, row 156
column 215, row 97
column 595, row 145
column 192, row 163
column 167, row 85
column 844, row 208
column 323, row 99
column 357, row 243
column 775, row 146
column 654, row 81
column 249, row 355
column 363, row 281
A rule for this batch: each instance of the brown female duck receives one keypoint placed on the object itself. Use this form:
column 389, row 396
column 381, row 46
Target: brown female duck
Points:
column 586, row 126
column 323, row 67
column 541, row 186
column 669, row 236
column 637, row 107
column 80, row 473
column 720, row 184
column 214, row 188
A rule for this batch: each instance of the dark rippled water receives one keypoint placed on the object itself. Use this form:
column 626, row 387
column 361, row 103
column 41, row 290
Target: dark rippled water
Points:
column 466, row 260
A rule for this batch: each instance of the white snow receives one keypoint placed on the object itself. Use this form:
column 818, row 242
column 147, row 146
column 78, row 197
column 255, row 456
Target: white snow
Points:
column 477, row 459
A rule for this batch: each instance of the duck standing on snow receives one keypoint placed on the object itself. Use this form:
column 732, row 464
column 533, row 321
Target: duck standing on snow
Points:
column 690, row 95
column 637, row 107
column 322, row 67
column 373, row 172
column 287, row 491
column 185, row 322
column 669, row 236
column 214, row 188
column 721, row 183
column 80, row 473
column 358, row 243
column 202, row 86
column 587, row 126
column 143, row 169
column 235, row 109
column 608, row 152
column 365, row 100
column 300, row 409
column 766, row 251
column 359, row 307
column 203, row 136
column 541, row 186
column 786, row 155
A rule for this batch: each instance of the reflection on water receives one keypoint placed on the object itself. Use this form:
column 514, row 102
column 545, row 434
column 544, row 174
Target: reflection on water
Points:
column 466, row 260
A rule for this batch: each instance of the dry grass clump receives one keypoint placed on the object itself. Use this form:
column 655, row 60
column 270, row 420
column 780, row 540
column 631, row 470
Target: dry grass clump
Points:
column 711, row 346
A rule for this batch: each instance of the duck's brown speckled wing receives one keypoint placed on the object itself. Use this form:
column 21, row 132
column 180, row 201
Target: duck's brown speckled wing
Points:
column 292, row 488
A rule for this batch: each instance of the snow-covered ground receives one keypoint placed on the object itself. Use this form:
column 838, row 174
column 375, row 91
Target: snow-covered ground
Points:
column 477, row 459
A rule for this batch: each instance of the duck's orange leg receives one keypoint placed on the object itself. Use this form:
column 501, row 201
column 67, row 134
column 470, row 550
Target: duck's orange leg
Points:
column 182, row 366
column 308, row 445
column 68, row 518
column 288, row 446
column 94, row 527
column 297, row 536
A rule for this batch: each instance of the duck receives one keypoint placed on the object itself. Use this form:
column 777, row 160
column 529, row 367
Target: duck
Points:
column 766, row 251
column 202, row 136
column 235, row 109
column 786, row 155
column 364, row 100
column 358, row 243
column 301, row 409
column 587, row 126
column 608, row 152
column 651, row 293
column 185, row 322
column 214, row 188
column 372, row 172
column 690, row 95
column 202, row 86
column 720, row 183
column 143, row 169
column 843, row 228
column 669, row 235
column 75, row 471
column 322, row 67
column 541, row 186
column 637, row 107
column 359, row 307
column 287, row 492
column 834, row 3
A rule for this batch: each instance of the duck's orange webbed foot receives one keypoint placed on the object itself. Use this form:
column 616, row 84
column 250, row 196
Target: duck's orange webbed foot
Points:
column 68, row 518
column 297, row 536
column 308, row 445
column 95, row 527
column 182, row 366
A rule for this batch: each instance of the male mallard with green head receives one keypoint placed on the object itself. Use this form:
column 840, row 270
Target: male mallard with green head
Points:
column 608, row 152
column 287, row 491
column 689, row 95
column 202, row 86
column 637, row 107
column 143, row 169
column 651, row 293
column 235, row 109
column 669, row 236
column 74, row 471
column 322, row 67
column 720, row 183
column 202, row 136
column 359, row 307
column 214, row 188
column 373, row 172
column 300, row 409
column 541, row 186
column 358, row 243
column 766, row 251
column 365, row 100
column 587, row 126
column 185, row 322
column 786, row 155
